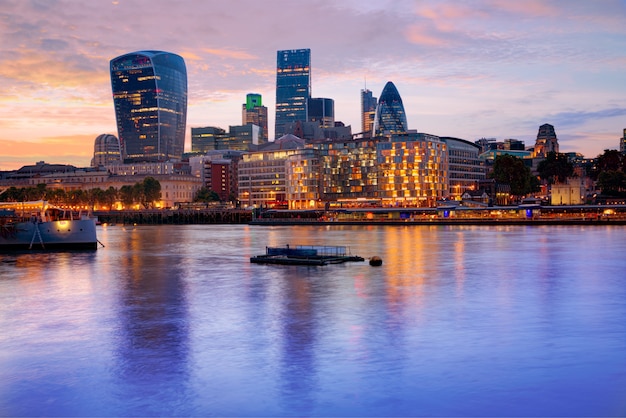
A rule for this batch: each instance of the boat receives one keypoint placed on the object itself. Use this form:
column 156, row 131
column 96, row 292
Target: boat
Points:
column 305, row 255
column 38, row 225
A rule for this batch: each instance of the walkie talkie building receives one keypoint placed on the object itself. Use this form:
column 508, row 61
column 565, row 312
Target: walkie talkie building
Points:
column 150, row 98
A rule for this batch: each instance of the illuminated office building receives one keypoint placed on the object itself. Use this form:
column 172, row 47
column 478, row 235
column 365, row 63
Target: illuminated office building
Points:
column 150, row 98
column 622, row 143
column 262, row 174
column 465, row 168
column 293, row 88
column 253, row 112
column 390, row 116
column 208, row 138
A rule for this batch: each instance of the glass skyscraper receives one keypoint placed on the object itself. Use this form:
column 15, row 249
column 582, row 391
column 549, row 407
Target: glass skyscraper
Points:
column 368, row 111
column 150, row 98
column 293, row 88
column 390, row 116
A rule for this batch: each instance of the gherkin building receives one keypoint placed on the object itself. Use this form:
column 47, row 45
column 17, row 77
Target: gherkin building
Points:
column 390, row 115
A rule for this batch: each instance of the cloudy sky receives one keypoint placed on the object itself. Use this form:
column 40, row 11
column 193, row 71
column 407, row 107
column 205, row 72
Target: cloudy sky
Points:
column 469, row 69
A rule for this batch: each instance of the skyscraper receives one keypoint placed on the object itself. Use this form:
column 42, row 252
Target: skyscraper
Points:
column 255, row 113
column 150, row 98
column 622, row 143
column 293, row 87
column 322, row 111
column 546, row 141
column 390, row 116
column 368, row 111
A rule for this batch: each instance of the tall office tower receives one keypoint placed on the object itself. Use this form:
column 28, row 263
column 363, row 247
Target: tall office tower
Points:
column 390, row 115
column 150, row 98
column 622, row 143
column 322, row 111
column 106, row 150
column 368, row 111
column 255, row 113
column 293, row 88
column 546, row 141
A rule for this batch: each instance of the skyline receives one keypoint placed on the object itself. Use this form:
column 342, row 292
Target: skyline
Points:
column 489, row 68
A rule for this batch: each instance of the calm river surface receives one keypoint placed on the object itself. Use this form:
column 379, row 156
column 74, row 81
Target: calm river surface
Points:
column 458, row 321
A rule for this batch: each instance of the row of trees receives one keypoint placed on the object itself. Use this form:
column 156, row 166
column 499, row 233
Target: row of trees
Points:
column 145, row 193
column 609, row 171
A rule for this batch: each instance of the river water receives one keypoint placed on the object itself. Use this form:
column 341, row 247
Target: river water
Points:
column 458, row 321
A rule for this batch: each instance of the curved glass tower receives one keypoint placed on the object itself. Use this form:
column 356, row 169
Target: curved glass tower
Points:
column 150, row 98
column 390, row 116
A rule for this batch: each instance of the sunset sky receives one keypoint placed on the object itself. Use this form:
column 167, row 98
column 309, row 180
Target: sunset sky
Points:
column 468, row 69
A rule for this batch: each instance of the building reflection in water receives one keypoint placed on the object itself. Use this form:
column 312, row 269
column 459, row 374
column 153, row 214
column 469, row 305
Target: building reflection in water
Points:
column 153, row 331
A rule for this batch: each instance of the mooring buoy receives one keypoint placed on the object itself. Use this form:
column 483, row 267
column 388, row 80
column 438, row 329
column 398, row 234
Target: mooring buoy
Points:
column 376, row 261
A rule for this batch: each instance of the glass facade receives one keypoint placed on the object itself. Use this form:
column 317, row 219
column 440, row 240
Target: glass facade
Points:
column 207, row 139
column 390, row 115
column 322, row 111
column 368, row 111
column 293, row 88
column 150, row 99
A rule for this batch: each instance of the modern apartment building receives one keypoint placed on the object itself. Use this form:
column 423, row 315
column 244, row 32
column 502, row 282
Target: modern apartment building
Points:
column 412, row 170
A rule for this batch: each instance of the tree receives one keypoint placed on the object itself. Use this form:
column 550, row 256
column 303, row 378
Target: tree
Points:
column 127, row 195
column 511, row 170
column 206, row 195
column 612, row 182
column 151, row 191
column 610, row 160
column 556, row 168
column 56, row 196
column 110, row 197
column 13, row 194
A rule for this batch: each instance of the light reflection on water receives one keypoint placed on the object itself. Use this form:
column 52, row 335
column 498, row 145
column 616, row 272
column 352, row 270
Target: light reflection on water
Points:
column 174, row 320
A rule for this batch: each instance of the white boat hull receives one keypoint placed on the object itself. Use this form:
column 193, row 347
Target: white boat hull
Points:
column 64, row 234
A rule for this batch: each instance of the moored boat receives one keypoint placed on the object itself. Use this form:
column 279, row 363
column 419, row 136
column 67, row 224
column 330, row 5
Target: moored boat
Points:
column 40, row 226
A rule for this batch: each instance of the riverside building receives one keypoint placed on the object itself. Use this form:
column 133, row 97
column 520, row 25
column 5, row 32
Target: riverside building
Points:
column 150, row 99
column 412, row 170
column 465, row 169
column 263, row 174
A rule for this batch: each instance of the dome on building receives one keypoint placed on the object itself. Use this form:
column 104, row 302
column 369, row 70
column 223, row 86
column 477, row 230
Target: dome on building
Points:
column 106, row 150
column 390, row 115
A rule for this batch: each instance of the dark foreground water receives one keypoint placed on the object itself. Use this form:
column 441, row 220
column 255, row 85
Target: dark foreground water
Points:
column 459, row 321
